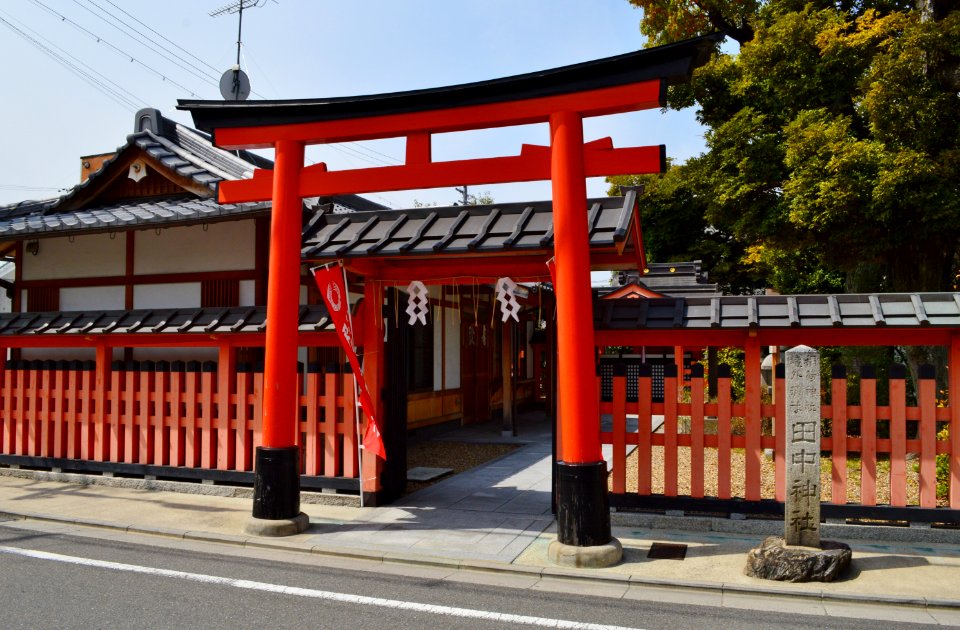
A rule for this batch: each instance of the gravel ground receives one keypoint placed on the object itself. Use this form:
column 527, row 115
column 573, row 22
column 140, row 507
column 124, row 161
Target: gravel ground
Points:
column 767, row 471
column 459, row 456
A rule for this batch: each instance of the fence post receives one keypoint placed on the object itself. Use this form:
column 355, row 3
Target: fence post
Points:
column 838, row 415
column 752, row 410
column 927, row 401
column 898, row 435
column 619, row 428
column 954, row 376
column 226, row 379
column 802, row 509
column 780, row 430
column 696, row 431
column 723, row 431
column 644, row 427
column 868, row 435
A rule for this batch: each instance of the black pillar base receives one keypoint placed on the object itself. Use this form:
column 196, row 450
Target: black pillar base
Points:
column 583, row 504
column 276, row 483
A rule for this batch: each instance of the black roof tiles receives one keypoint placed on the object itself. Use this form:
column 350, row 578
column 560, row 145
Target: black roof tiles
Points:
column 781, row 311
column 246, row 319
column 457, row 229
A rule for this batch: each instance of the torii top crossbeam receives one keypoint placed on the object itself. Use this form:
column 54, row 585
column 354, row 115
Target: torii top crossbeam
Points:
column 561, row 97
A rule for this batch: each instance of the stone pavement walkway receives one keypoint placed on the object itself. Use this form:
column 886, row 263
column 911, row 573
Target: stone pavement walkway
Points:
column 496, row 519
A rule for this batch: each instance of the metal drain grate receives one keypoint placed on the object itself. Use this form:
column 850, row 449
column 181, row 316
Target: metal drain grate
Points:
column 665, row 551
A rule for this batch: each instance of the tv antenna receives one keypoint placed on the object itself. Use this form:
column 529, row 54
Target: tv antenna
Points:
column 235, row 84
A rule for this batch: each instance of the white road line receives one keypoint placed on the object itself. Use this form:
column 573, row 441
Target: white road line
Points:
column 467, row 613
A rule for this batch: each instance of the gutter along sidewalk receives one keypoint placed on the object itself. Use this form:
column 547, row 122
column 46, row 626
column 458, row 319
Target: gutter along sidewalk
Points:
column 493, row 524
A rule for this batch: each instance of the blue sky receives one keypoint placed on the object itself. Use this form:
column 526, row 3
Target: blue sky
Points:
column 296, row 49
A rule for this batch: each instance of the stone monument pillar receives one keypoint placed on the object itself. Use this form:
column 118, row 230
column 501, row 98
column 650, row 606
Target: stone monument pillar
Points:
column 802, row 506
column 800, row 556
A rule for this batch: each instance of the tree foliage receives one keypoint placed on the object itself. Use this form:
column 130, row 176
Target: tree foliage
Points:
column 833, row 146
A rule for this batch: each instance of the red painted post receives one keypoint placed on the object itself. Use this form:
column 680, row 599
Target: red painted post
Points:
column 779, row 431
column 244, row 432
column 129, row 401
column 161, row 433
column 838, row 492
column 868, row 435
column 723, row 431
column 276, row 473
column 145, row 437
column 927, row 401
column 100, row 428
column 898, row 436
column 579, row 407
column 644, row 427
column 954, row 379
column 226, row 375
column 670, row 395
column 371, row 467
column 583, row 513
column 208, row 438
column 696, row 431
column 619, row 429
column 177, row 433
column 350, row 463
column 311, row 443
column 753, row 452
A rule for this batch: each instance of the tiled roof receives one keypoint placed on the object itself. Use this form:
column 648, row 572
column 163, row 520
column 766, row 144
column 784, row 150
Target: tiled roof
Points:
column 241, row 319
column 185, row 152
column 674, row 279
column 781, row 311
column 123, row 216
column 458, row 229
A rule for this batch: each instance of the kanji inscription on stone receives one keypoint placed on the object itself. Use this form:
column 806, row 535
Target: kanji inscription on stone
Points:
column 802, row 522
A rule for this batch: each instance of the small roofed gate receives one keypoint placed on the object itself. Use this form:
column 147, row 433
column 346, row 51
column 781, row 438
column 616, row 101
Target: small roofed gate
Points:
column 176, row 420
column 882, row 457
column 561, row 98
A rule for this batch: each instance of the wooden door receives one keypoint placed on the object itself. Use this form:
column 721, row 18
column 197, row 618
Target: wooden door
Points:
column 476, row 361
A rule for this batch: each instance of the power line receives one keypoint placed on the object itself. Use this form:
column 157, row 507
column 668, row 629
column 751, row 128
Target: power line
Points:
column 93, row 81
column 157, row 48
column 161, row 35
column 101, row 40
column 133, row 98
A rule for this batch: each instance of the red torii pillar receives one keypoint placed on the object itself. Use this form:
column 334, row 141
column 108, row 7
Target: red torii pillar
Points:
column 583, row 509
column 276, row 493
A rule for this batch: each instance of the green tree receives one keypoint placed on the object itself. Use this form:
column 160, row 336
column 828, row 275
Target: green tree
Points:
column 833, row 141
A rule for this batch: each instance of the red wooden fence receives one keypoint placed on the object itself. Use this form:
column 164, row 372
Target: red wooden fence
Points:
column 168, row 415
column 905, row 436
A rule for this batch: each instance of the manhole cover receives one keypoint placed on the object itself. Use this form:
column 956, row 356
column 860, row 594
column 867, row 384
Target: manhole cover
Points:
column 424, row 473
column 665, row 551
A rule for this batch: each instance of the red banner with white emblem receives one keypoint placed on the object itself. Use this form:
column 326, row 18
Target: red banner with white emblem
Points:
column 330, row 280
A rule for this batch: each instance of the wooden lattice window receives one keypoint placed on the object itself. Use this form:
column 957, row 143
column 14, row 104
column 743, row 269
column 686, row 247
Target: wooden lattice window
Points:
column 43, row 299
column 219, row 293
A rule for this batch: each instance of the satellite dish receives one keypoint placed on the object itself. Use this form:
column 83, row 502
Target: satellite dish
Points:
column 235, row 85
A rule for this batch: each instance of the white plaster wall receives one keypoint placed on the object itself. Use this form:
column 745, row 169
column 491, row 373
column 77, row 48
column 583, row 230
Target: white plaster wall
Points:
column 173, row 295
column 7, row 272
column 92, row 299
column 247, row 293
column 175, row 354
column 224, row 246
column 88, row 256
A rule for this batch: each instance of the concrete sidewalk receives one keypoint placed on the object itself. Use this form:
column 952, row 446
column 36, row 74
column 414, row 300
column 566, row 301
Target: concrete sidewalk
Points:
column 496, row 519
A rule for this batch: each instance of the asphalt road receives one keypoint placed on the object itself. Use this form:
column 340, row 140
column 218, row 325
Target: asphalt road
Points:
column 62, row 580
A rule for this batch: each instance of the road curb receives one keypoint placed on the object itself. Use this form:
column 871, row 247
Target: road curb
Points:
column 561, row 573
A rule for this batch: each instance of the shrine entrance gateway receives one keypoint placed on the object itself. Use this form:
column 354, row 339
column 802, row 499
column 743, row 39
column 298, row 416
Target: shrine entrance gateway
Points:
column 561, row 97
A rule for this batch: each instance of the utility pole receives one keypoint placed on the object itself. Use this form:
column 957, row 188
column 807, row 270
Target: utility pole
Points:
column 466, row 196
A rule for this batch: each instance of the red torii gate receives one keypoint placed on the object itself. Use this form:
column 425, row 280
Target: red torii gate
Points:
column 561, row 97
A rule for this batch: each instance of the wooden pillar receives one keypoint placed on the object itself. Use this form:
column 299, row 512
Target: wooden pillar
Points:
column 226, row 381
column 954, row 385
column 100, row 437
column 752, row 412
column 371, row 467
column 509, row 426
column 583, row 512
column 277, row 470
